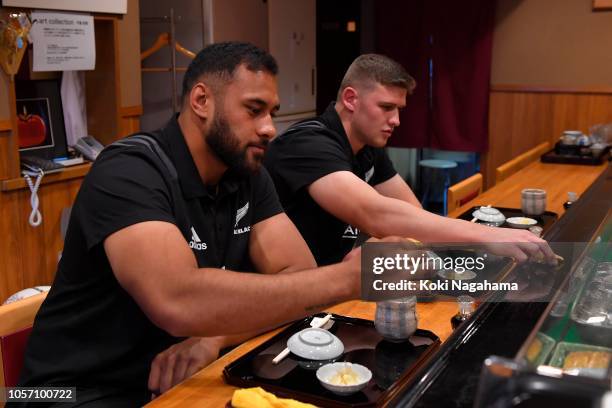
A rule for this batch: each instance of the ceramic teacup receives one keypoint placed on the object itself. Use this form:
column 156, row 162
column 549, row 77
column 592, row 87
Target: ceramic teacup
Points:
column 396, row 319
column 533, row 201
column 570, row 137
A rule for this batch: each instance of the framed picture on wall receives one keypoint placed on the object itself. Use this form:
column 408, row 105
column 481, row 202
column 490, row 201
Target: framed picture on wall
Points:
column 40, row 119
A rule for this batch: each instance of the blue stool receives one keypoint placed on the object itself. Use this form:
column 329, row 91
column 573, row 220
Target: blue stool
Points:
column 437, row 169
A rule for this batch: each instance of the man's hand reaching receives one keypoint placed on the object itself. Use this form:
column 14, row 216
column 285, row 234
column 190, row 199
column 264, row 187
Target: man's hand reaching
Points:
column 181, row 361
column 518, row 244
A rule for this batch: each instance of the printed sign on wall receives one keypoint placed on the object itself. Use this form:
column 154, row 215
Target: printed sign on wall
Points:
column 63, row 42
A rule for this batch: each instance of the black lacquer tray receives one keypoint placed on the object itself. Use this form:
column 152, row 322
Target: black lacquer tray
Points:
column 392, row 364
column 571, row 155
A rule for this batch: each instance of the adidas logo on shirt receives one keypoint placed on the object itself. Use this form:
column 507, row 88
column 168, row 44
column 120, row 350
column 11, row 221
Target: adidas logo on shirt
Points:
column 196, row 242
column 350, row 232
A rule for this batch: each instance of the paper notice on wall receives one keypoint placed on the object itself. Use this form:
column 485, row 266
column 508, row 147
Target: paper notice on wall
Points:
column 63, row 42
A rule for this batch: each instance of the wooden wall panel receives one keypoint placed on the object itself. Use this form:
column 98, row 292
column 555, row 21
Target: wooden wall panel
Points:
column 29, row 255
column 4, row 154
column 5, row 84
column 101, row 85
column 32, row 243
column 11, row 279
column 129, row 125
column 129, row 55
column 522, row 117
column 129, row 121
column 9, row 150
column 543, row 42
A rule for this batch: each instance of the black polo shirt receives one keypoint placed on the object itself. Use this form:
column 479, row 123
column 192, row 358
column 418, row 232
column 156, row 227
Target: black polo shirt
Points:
column 89, row 332
column 303, row 154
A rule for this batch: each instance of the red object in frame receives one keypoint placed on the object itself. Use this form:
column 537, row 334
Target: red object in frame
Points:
column 31, row 129
column 12, row 348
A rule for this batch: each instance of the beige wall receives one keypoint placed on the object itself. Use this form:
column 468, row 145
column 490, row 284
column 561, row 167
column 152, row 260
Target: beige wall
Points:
column 561, row 43
column 129, row 56
column 241, row 20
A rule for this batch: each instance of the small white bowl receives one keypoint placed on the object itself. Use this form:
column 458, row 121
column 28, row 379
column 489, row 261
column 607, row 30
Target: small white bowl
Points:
column 521, row 222
column 315, row 344
column 327, row 372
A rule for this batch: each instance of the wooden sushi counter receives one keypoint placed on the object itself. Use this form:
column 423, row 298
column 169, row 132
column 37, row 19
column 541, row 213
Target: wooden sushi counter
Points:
column 207, row 387
column 556, row 179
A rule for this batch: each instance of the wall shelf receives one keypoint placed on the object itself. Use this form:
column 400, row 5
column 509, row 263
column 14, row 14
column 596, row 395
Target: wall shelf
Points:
column 69, row 173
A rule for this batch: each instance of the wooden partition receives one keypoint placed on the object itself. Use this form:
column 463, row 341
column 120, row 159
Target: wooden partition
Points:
column 102, row 84
column 29, row 255
column 6, row 163
column 521, row 117
column 129, row 120
column 9, row 151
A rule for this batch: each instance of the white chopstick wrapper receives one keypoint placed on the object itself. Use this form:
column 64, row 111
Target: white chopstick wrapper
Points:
column 315, row 322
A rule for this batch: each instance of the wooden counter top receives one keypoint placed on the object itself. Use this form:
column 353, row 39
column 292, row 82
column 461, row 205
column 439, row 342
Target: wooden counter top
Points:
column 207, row 388
column 556, row 179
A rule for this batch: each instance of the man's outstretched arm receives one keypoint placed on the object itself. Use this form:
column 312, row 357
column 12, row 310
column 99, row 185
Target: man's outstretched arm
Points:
column 352, row 200
column 154, row 264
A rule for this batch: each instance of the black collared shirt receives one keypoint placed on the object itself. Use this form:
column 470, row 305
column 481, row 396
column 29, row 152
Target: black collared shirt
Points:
column 303, row 154
column 89, row 332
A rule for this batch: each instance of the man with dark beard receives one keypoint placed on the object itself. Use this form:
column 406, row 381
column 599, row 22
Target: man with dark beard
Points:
column 159, row 230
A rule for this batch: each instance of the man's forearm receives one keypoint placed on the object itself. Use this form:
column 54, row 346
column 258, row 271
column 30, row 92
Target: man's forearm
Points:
column 396, row 217
column 257, row 301
column 236, row 339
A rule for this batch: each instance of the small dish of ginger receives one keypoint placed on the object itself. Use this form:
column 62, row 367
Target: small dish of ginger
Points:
column 344, row 378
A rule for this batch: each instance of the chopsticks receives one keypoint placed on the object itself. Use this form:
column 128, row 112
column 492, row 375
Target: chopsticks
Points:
column 317, row 322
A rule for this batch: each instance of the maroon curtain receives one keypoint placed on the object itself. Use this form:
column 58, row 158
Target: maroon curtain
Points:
column 446, row 45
